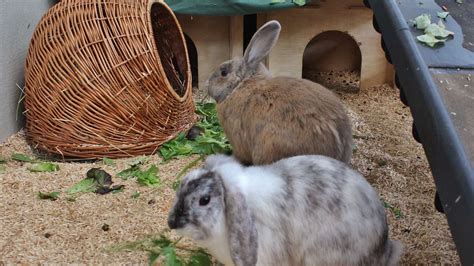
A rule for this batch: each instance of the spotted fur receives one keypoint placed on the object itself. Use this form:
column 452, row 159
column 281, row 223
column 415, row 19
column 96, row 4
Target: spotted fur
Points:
column 303, row 210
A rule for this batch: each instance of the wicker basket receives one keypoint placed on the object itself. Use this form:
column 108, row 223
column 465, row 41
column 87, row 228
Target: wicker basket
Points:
column 107, row 78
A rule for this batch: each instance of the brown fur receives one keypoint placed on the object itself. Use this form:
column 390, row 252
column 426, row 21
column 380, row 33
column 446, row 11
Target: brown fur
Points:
column 267, row 119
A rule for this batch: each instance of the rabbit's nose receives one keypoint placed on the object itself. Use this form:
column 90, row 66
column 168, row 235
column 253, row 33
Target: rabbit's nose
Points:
column 172, row 224
column 175, row 221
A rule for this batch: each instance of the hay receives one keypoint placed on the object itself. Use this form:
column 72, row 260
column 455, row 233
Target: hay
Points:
column 41, row 231
column 395, row 164
column 344, row 81
column 386, row 154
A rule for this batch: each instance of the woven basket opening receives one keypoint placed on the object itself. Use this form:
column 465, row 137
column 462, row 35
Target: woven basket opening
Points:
column 107, row 78
column 193, row 60
column 169, row 44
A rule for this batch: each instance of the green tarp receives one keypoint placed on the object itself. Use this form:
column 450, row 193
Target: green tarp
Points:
column 229, row 7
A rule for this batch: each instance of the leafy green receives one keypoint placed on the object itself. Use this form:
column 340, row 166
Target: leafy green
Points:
column 44, row 167
column 396, row 211
column 50, row 196
column 97, row 181
column 174, row 148
column 129, row 172
column 277, row 2
column 162, row 242
column 84, row 186
column 422, row 21
column 213, row 140
column 136, row 195
column 438, row 30
column 152, row 258
column 170, row 257
column 3, row 161
column 443, row 15
column 140, row 160
column 176, row 184
column 299, row 2
column 117, row 189
column 200, row 258
column 21, row 158
column 108, row 161
column 134, row 169
column 148, row 177
column 429, row 40
column 165, row 248
column 433, row 33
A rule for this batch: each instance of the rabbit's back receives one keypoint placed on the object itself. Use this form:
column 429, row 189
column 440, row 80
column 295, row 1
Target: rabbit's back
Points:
column 270, row 119
column 327, row 215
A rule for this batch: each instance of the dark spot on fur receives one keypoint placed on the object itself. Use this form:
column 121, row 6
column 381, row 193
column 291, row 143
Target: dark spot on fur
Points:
column 193, row 184
column 334, row 204
column 341, row 241
column 287, row 206
column 227, row 112
column 380, row 250
column 345, row 242
column 289, row 193
column 312, row 199
column 315, row 192
column 339, row 169
column 320, row 185
column 247, row 104
column 300, row 122
column 258, row 128
column 242, row 233
column 194, row 220
column 286, row 112
column 326, row 187
column 365, row 198
column 179, row 217
column 369, row 208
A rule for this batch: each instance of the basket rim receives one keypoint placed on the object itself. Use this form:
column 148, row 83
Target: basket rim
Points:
column 183, row 41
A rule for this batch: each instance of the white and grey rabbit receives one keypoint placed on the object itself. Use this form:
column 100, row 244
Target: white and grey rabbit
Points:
column 302, row 210
column 270, row 118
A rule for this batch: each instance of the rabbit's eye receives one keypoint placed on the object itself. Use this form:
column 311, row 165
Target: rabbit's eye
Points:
column 224, row 73
column 203, row 201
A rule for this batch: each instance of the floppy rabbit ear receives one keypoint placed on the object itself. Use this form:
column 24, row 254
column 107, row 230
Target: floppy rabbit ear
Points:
column 261, row 44
column 242, row 233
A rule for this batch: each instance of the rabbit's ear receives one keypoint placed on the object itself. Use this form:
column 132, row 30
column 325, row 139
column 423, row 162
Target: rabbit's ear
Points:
column 261, row 44
column 242, row 233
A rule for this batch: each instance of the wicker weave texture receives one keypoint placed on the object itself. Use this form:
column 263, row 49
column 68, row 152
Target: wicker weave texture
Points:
column 107, row 78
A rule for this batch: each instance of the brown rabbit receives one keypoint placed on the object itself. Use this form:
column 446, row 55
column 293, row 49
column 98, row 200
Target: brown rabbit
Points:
column 269, row 118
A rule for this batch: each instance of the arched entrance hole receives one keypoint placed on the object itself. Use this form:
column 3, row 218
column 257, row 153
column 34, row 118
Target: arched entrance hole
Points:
column 333, row 59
